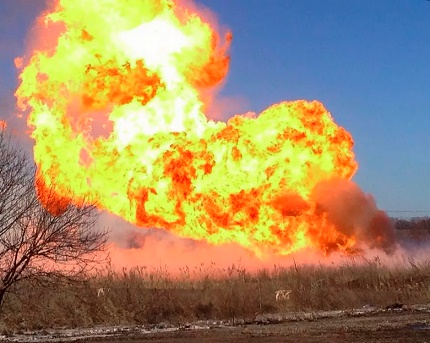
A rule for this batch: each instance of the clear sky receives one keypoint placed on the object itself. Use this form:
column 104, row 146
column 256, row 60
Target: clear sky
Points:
column 368, row 61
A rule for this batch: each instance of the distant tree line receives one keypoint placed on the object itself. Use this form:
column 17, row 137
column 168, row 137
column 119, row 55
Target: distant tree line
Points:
column 420, row 223
column 413, row 228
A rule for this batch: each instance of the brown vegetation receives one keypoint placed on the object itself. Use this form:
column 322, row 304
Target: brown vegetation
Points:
column 143, row 296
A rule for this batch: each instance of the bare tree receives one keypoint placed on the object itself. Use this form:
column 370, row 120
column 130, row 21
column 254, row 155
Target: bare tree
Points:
column 37, row 243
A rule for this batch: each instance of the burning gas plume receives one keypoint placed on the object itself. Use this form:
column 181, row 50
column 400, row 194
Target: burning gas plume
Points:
column 116, row 93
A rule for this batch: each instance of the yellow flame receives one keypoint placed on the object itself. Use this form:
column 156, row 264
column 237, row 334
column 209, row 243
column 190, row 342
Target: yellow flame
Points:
column 117, row 115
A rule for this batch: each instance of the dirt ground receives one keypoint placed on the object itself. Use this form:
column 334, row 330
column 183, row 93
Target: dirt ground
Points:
column 385, row 326
column 388, row 327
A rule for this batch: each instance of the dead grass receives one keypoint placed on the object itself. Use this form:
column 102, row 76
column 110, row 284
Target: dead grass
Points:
column 141, row 295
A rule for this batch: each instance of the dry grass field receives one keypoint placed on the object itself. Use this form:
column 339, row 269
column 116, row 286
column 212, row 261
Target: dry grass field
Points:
column 148, row 296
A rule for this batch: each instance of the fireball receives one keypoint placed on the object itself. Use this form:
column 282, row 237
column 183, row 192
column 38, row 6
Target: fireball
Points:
column 116, row 100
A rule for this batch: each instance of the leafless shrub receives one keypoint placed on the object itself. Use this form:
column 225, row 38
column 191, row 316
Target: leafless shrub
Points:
column 36, row 244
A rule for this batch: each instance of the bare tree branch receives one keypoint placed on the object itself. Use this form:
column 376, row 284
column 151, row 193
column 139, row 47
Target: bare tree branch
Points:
column 37, row 243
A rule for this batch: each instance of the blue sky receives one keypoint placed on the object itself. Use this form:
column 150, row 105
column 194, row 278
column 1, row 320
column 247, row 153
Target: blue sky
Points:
column 368, row 61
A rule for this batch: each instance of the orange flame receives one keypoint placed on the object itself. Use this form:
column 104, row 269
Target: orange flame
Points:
column 117, row 115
